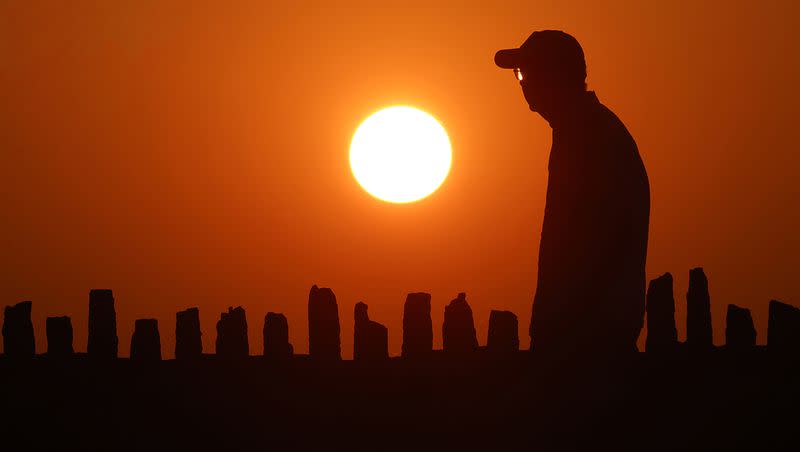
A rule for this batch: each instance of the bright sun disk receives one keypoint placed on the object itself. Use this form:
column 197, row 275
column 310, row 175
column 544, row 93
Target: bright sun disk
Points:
column 400, row 154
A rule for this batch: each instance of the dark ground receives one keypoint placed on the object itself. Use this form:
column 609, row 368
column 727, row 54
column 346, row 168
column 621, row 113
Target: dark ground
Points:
column 716, row 400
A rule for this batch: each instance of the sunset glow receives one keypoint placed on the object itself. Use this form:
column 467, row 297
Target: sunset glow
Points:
column 400, row 154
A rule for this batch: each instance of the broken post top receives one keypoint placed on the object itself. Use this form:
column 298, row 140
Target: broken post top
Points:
column 323, row 324
column 188, row 338
column 698, row 311
column 59, row 336
column 740, row 334
column 276, row 326
column 698, row 282
column 188, row 321
column 418, row 299
column 17, row 315
column 660, row 299
column 460, row 302
column 276, row 317
column 276, row 336
column 779, row 307
column 22, row 308
column 101, row 296
column 737, row 310
column 232, row 341
column 322, row 295
column 662, row 283
column 145, row 326
column 458, row 330
column 417, row 325
column 18, row 338
column 505, row 315
column 662, row 336
column 237, row 313
column 58, row 319
column 370, row 338
column 360, row 312
column 783, row 327
column 103, row 341
column 146, row 342
column 503, row 333
column 188, row 313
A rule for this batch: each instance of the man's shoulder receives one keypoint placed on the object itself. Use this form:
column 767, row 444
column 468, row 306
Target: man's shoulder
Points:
column 611, row 126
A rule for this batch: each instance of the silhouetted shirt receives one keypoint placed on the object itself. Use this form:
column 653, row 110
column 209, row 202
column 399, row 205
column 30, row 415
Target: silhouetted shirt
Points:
column 591, row 286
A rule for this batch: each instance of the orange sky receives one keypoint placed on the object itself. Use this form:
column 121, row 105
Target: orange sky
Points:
column 192, row 154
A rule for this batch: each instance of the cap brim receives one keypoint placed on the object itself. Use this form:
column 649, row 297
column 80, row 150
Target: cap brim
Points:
column 508, row 58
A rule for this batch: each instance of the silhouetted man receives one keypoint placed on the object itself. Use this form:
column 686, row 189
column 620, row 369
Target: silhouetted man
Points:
column 591, row 288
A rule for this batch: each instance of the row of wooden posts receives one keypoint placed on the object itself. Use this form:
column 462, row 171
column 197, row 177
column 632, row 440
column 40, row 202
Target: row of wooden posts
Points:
column 371, row 338
column 783, row 329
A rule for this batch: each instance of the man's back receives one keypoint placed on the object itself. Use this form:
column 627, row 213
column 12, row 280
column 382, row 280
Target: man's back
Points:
column 591, row 287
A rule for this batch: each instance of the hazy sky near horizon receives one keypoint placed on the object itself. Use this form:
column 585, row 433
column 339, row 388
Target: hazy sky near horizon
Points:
column 196, row 154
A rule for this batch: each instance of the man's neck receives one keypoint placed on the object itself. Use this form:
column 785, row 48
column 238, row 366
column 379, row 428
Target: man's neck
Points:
column 568, row 110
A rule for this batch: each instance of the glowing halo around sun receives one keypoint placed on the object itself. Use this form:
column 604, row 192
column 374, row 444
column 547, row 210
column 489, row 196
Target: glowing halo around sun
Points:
column 400, row 154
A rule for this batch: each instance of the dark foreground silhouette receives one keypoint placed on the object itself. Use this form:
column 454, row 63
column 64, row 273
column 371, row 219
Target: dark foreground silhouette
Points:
column 677, row 396
column 720, row 400
column 584, row 387
column 590, row 294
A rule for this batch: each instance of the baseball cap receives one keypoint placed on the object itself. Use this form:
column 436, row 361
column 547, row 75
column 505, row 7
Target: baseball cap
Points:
column 551, row 48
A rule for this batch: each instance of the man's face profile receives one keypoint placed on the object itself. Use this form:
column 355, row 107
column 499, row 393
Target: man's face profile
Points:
column 533, row 86
column 551, row 70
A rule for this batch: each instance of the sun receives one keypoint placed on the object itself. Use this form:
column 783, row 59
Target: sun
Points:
column 400, row 154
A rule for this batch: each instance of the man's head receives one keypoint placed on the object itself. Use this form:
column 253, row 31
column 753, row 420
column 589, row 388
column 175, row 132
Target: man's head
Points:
column 550, row 68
